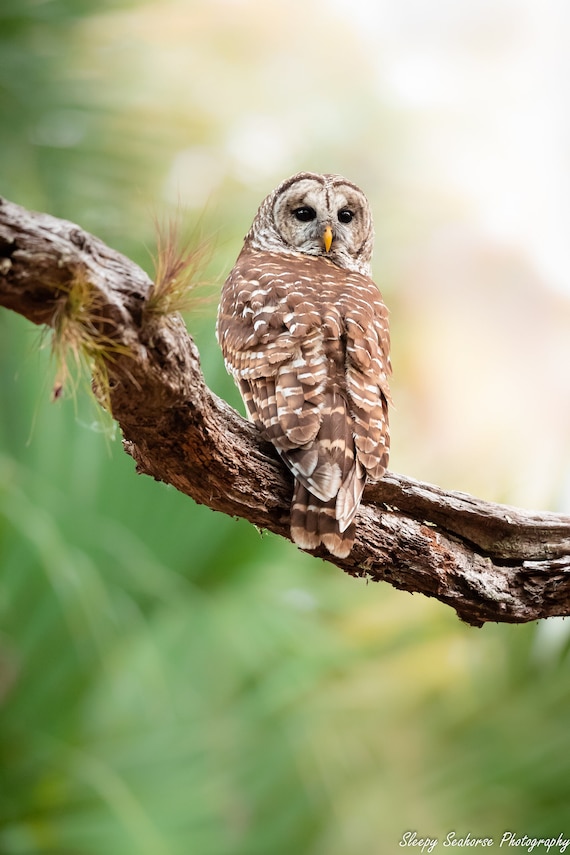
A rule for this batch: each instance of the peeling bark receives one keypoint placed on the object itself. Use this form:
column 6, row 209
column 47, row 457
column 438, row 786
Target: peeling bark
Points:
column 489, row 562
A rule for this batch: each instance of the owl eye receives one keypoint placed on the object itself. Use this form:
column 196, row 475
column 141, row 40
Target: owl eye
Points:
column 305, row 214
column 345, row 216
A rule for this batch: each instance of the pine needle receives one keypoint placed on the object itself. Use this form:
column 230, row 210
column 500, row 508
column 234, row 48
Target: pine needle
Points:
column 78, row 344
column 179, row 267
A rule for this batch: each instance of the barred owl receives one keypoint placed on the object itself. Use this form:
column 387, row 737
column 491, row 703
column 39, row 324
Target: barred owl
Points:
column 304, row 332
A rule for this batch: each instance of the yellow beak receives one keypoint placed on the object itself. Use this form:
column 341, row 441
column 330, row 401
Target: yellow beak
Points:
column 327, row 238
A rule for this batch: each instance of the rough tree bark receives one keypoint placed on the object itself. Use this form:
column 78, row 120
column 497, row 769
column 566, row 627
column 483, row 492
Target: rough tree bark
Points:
column 489, row 562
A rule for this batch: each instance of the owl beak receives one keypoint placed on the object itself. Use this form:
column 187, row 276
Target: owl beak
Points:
column 327, row 238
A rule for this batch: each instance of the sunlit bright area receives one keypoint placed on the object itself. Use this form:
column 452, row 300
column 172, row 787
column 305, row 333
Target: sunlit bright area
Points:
column 175, row 682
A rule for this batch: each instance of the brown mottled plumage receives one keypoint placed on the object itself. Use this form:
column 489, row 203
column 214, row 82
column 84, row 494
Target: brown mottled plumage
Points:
column 304, row 332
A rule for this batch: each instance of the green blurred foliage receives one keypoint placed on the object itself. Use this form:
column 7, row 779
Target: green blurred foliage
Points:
column 173, row 681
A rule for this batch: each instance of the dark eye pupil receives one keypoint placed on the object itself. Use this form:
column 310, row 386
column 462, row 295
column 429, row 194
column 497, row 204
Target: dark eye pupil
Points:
column 345, row 216
column 305, row 214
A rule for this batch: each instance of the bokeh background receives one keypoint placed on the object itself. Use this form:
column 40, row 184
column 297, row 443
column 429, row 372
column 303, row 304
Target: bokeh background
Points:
column 174, row 682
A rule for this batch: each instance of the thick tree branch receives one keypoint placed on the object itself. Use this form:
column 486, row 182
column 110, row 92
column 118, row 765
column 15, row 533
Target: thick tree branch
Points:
column 490, row 562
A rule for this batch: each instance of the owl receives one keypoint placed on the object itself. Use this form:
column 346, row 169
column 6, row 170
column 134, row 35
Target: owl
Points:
column 304, row 332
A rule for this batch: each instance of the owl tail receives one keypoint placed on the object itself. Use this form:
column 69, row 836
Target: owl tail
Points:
column 314, row 521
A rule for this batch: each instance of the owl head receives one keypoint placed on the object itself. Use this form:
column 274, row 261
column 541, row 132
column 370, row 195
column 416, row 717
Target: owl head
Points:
column 322, row 215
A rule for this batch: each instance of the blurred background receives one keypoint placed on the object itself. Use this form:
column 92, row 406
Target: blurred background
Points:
column 171, row 680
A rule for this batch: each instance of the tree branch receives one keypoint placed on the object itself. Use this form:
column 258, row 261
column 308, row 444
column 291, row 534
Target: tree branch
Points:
column 489, row 562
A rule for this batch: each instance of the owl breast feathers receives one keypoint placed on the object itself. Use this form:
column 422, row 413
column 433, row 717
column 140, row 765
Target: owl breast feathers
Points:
column 307, row 343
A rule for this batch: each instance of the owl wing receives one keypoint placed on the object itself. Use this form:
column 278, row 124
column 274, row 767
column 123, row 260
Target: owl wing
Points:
column 307, row 344
column 274, row 345
column 367, row 373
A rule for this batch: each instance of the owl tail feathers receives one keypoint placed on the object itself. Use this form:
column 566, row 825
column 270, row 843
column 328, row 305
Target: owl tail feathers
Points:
column 314, row 522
